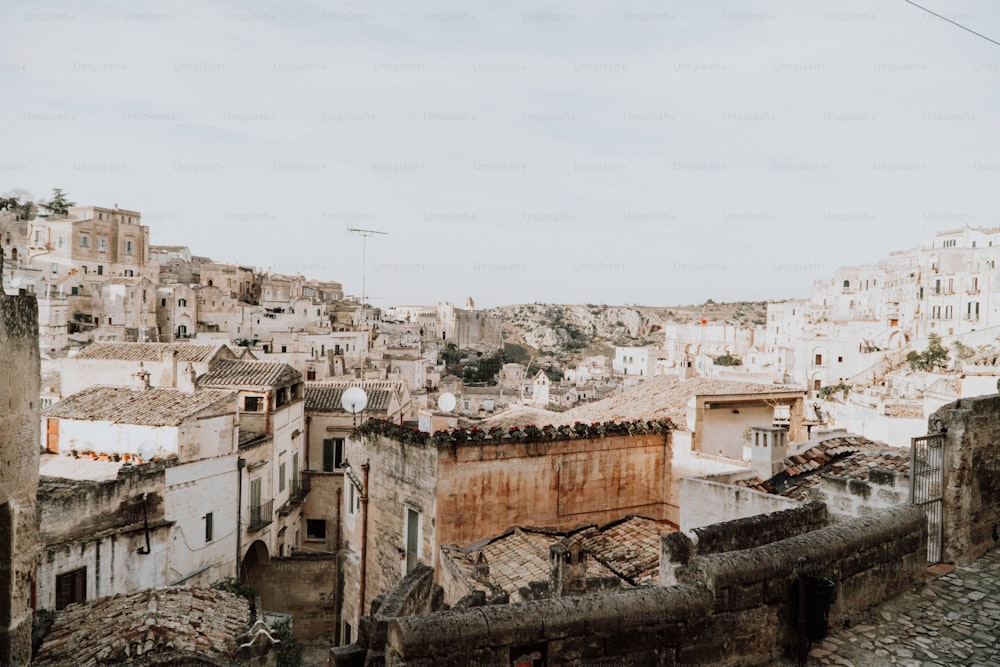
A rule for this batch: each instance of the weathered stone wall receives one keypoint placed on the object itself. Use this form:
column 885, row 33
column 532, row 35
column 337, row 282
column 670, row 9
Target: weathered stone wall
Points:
column 401, row 476
column 486, row 489
column 20, row 384
column 972, row 476
column 678, row 548
column 305, row 586
column 733, row 608
column 855, row 497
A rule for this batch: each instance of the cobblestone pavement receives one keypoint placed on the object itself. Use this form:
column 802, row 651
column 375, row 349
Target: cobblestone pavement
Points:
column 953, row 620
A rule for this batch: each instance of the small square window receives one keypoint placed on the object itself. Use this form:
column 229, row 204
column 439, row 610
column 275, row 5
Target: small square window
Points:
column 251, row 404
column 315, row 529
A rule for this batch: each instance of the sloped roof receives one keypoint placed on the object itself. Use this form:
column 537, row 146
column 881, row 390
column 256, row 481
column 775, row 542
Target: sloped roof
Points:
column 628, row 549
column 656, row 398
column 664, row 396
column 149, row 627
column 249, row 374
column 188, row 352
column 150, row 407
column 515, row 559
column 846, row 456
column 321, row 397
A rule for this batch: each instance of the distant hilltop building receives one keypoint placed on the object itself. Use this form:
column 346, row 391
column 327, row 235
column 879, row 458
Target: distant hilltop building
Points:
column 949, row 286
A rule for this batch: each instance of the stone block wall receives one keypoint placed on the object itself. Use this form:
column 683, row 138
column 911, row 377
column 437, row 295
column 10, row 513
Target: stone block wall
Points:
column 855, row 497
column 731, row 608
column 678, row 548
column 20, row 383
column 971, row 490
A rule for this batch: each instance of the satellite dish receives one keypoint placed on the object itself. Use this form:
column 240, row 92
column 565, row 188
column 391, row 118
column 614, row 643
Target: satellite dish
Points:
column 446, row 402
column 147, row 450
column 354, row 400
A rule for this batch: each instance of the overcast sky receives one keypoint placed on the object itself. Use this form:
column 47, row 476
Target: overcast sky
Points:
column 606, row 152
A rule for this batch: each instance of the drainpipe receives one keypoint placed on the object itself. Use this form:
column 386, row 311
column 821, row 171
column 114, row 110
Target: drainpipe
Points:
column 340, row 498
column 240, row 464
column 364, row 538
column 308, row 421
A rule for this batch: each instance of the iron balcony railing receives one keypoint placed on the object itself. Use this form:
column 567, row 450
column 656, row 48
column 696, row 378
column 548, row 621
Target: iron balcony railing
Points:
column 261, row 515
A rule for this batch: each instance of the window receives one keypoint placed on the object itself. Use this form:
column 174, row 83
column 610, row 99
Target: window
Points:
column 182, row 303
column 947, row 312
column 84, row 241
column 819, row 359
column 284, row 348
column 281, row 477
column 840, row 360
column 60, row 242
column 936, row 312
column 333, row 454
column 130, row 247
column 163, row 303
column 315, row 529
column 251, row 404
column 100, row 269
column 102, row 245
column 71, row 587
column 208, row 527
column 937, row 286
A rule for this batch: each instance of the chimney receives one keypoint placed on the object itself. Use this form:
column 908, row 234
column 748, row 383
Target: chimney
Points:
column 172, row 368
column 568, row 562
column 186, row 379
column 768, row 450
column 141, row 378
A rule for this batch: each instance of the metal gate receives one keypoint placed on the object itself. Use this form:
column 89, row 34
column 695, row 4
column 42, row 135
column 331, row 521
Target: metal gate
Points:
column 927, row 488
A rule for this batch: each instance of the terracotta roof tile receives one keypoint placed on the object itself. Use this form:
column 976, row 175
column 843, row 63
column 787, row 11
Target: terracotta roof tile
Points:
column 151, row 407
column 249, row 374
column 189, row 352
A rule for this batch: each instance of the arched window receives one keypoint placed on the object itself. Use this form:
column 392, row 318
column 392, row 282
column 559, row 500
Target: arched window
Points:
column 182, row 303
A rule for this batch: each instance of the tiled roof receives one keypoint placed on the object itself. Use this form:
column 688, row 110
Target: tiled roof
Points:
column 848, row 456
column 189, row 352
column 149, row 627
column 249, row 374
column 516, row 559
column 628, row 549
column 656, row 398
column 663, row 396
column 322, row 397
column 150, row 407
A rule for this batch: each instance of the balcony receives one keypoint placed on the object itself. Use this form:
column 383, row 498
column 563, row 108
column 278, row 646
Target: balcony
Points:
column 261, row 515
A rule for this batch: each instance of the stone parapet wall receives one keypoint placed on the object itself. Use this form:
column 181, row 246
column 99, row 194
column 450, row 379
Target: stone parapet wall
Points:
column 971, row 511
column 678, row 548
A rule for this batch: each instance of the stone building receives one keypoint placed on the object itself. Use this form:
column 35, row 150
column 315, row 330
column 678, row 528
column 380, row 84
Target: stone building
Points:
column 176, row 312
column 20, row 360
column 139, row 489
column 271, row 402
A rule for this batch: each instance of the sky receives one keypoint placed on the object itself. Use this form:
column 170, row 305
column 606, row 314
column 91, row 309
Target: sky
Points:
column 627, row 152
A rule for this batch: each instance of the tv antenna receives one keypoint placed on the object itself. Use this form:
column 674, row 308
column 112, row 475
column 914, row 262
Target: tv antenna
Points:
column 364, row 234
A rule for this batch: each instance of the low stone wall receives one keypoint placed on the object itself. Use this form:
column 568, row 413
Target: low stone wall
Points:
column 733, row 608
column 678, row 548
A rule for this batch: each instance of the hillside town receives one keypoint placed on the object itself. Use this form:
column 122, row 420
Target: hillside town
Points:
column 259, row 468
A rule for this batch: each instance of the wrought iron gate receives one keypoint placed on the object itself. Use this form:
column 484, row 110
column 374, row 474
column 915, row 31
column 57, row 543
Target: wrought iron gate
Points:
column 927, row 488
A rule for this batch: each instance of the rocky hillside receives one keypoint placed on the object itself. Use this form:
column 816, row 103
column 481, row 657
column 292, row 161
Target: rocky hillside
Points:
column 566, row 333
